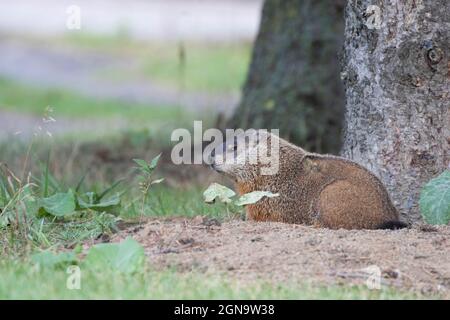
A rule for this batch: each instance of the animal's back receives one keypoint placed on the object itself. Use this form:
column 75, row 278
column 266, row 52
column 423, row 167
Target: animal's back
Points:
column 351, row 196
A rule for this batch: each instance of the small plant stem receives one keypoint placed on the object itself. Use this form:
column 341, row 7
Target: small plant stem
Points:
column 144, row 198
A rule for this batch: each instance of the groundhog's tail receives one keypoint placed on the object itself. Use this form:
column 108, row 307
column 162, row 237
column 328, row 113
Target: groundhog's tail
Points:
column 393, row 225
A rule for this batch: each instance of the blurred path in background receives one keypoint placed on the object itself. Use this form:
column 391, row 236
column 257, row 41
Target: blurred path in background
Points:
column 45, row 66
column 60, row 67
column 163, row 20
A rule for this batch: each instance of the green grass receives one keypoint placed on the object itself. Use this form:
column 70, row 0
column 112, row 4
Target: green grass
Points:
column 23, row 229
column 210, row 67
column 206, row 68
column 48, row 233
column 189, row 203
column 120, row 40
column 21, row 280
column 22, row 98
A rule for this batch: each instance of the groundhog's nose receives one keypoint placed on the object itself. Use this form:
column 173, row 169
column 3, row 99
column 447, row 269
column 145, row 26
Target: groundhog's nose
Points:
column 211, row 158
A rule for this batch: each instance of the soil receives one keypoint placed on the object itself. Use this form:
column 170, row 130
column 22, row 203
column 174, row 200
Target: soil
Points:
column 415, row 259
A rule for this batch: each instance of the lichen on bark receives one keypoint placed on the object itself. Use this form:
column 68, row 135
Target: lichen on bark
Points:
column 397, row 80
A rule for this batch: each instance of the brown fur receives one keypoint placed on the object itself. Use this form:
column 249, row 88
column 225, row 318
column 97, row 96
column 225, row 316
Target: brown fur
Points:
column 320, row 190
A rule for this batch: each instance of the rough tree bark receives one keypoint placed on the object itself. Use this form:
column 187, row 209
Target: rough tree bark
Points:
column 293, row 82
column 397, row 76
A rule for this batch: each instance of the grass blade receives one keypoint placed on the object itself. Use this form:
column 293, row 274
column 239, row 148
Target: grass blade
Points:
column 108, row 190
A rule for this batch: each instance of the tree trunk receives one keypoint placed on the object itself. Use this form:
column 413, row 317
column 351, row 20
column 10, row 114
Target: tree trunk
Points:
column 397, row 74
column 293, row 82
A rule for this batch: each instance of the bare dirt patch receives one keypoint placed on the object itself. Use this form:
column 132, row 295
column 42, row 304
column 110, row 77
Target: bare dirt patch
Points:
column 416, row 259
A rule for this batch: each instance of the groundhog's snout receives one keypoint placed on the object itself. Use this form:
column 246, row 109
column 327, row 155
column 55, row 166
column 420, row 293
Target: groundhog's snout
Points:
column 218, row 156
column 212, row 156
column 211, row 159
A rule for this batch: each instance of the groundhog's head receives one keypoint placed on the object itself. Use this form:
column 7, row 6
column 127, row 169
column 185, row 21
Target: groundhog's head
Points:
column 247, row 154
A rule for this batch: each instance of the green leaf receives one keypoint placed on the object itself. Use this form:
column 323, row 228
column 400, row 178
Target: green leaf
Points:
column 142, row 165
column 48, row 182
column 127, row 256
column 435, row 200
column 108, row 190
column 92, row 197
column 157, row 181
column 80, row 183
column 30, row 201
column 4, row 219
column 47, row 259
column 46, row 175
column 109, row 205
column 216, row 190
column 60, row 204
column 154, row 162
column 253, row 197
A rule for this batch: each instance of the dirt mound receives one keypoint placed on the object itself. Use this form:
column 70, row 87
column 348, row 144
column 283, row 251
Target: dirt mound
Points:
column 416, row 259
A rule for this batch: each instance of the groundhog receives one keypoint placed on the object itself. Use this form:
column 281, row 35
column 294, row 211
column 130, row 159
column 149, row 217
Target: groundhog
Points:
column 313, row 189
